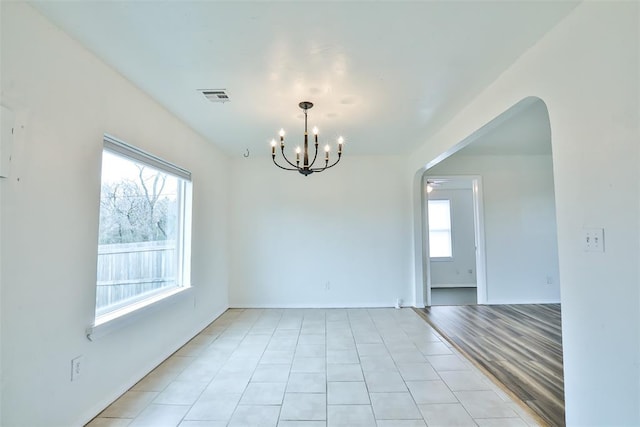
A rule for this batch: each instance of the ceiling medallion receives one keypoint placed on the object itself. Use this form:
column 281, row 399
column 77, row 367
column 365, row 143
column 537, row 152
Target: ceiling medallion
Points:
column 306, row 168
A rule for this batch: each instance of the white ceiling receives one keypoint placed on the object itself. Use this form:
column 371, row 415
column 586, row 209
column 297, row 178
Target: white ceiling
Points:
column 386, row 75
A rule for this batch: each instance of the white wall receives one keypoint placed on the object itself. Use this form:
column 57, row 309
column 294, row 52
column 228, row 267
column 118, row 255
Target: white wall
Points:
column 519, row 225
column 586, row 71
column 349, row 226
column 65, row 99
column 461, row 269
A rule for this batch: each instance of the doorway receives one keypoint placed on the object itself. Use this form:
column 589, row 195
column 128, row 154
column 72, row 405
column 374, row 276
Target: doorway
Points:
column 454, row 237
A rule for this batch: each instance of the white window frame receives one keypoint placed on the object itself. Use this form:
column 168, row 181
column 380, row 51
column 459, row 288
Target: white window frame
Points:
column 450, row 230
column 105, row 323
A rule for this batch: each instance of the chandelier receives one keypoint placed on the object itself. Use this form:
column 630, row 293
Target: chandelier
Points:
column 306, row 168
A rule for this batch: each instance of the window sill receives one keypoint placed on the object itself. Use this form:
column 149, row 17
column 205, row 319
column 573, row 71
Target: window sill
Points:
column 442, row 259
column 117, row 319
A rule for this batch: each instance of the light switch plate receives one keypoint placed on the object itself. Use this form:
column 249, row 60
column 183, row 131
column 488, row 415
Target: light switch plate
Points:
column 593, row 239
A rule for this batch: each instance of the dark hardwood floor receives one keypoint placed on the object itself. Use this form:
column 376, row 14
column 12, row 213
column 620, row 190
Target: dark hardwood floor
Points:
column 519, row 345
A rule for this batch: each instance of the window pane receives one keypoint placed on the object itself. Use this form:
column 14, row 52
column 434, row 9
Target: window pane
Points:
column 439, row 228
column 439, row 244
column 439, row 215
column 140, row 228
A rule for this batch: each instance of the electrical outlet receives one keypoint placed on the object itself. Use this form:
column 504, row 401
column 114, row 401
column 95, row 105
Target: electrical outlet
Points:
column 593, row 239
column 549, row 280
column 76, row 367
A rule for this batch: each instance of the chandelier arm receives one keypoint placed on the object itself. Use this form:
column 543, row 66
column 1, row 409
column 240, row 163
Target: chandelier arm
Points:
column 282, row 167
column 327, row 167
column 307, row 167
column 285, row 158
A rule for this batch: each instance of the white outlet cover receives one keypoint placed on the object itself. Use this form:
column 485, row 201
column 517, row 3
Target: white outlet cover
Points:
column 76, row 367
column 6, row 140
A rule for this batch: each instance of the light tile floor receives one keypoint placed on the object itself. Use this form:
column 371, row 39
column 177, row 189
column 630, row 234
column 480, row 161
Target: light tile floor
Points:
column 315, row 368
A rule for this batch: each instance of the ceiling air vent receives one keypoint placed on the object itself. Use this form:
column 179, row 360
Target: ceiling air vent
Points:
column 215, row 95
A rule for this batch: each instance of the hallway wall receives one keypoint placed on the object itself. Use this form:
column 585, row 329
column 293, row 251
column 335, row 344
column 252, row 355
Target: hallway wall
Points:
column 519, row 225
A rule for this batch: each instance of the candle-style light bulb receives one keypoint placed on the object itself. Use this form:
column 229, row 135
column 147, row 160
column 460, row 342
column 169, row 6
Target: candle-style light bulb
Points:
column 281, row 133
column 340, row 142
column 273, row 147
column 298, row 150
column 315, row 134
column 327, row 148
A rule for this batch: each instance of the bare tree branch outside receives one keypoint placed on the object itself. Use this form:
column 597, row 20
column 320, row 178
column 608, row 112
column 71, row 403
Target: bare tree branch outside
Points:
column 138, row 232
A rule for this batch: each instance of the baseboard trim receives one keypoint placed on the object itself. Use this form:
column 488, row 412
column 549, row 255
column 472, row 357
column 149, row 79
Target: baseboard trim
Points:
column 97, row 409
column 283, row 306
column 507, row 302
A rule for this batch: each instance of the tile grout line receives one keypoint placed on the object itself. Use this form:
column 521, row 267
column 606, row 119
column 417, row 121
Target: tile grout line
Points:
column 361, row 325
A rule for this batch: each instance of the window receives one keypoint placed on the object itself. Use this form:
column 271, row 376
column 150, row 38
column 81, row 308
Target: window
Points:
column 440, row 229
column 145, row 230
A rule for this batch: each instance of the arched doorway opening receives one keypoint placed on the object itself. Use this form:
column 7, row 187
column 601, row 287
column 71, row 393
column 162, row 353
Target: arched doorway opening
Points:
column 506, row 168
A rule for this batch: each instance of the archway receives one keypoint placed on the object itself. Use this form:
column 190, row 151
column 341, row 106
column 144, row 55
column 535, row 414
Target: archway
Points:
column 512, row 155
